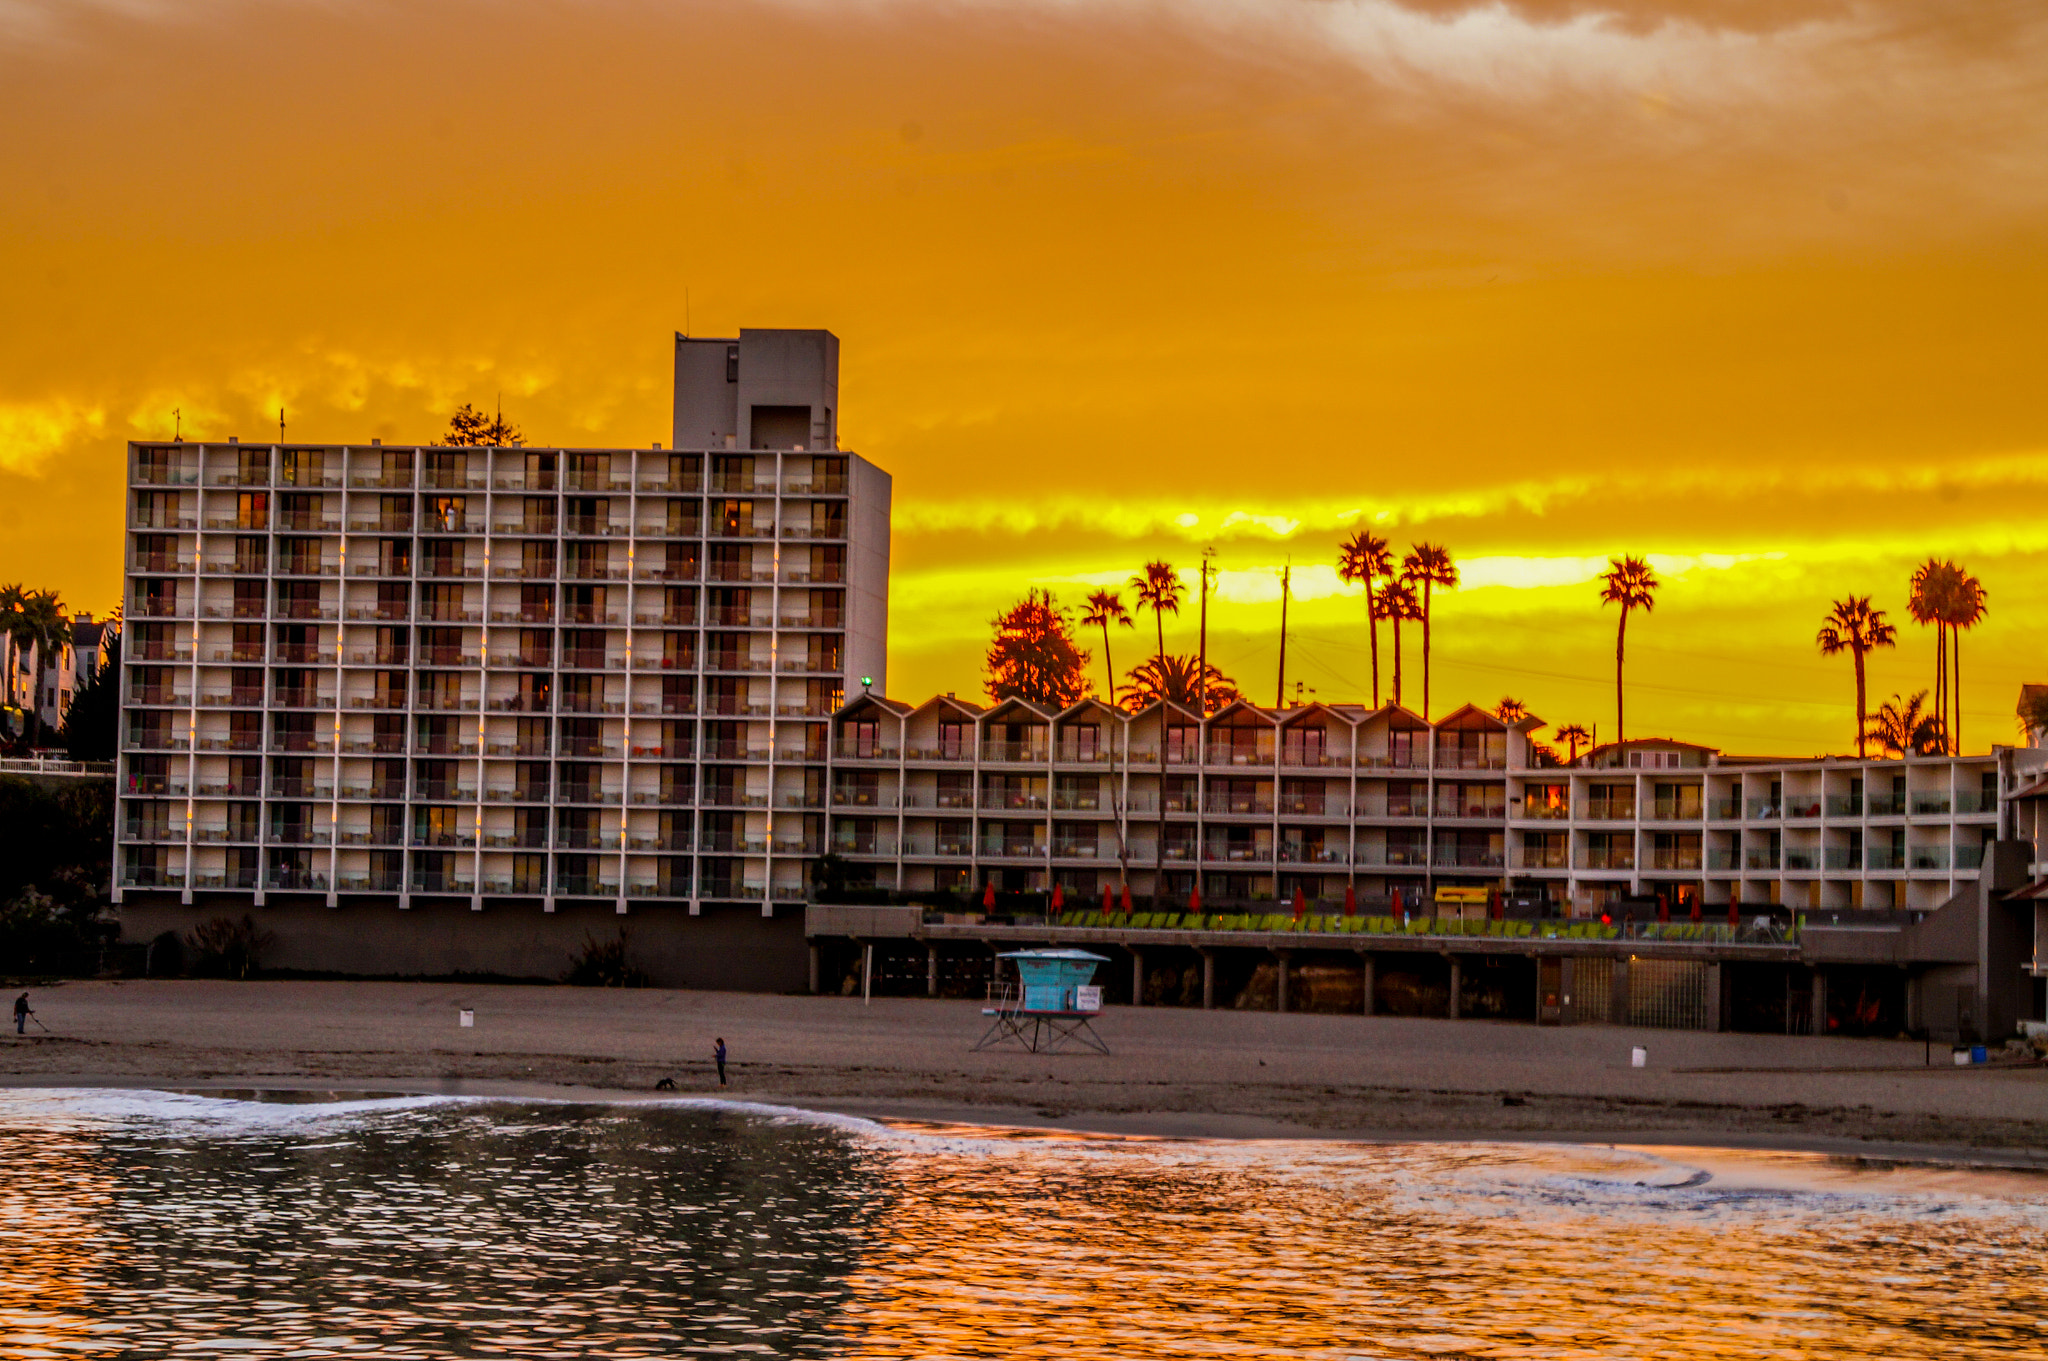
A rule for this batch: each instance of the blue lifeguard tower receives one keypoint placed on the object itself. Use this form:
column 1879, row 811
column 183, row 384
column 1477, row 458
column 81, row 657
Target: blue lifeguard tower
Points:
column 1054, row 1004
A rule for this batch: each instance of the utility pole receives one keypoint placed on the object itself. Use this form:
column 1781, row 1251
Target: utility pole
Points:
column 1202, row 653
column 1280, row 695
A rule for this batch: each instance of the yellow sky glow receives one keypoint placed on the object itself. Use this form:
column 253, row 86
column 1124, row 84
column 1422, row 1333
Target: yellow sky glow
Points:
column 1751, row 288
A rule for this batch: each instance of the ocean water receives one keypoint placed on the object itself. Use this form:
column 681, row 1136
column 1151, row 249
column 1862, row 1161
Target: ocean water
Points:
column 141, row 1224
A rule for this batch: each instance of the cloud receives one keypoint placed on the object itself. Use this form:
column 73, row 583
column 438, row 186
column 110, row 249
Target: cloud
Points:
column 33, row 432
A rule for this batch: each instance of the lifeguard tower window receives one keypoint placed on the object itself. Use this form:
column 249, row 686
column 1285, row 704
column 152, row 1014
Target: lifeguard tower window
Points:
column 781, row 427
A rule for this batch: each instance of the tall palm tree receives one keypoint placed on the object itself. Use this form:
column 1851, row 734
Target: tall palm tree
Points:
column 1963, row 609
column 1106, row 608
column 45, row 629
column 1398, row 601
column 1931, row 598
column 1853, row 627
column 1571, row 734
column 1630, row 585
column 1159, row 590
column 1430, row 566
column 1510, row 710
column 1364, row 558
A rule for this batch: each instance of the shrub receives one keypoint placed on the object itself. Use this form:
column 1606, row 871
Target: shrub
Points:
column 604, row 964
column 226, row 948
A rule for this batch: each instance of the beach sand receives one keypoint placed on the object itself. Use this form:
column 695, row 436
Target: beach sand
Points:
column 1171, row 1072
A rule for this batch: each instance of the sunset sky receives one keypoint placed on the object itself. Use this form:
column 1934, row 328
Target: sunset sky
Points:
column 1758, row 288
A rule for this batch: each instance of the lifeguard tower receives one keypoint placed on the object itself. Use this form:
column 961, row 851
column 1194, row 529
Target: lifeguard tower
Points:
column 1052, row 1006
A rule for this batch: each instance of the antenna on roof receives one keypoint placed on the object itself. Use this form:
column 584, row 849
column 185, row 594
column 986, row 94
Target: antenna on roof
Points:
column 178, row 415
column 686, row 311
column 280, row 425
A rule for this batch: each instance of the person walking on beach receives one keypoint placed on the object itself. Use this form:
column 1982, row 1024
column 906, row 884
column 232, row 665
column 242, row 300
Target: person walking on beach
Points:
column 719, row 1054
column 22, row 1011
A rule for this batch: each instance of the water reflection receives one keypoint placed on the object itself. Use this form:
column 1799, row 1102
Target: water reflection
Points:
column 139, row 1225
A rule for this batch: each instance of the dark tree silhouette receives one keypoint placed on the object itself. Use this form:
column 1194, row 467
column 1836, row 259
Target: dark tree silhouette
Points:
column 1175, row 679
column 92, row 723
column 470, row 427
column 1033, row 655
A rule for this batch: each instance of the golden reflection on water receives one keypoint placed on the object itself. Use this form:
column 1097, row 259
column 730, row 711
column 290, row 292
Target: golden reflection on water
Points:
column 1161, row 1250
column 152, row 1225
column 53, row 1236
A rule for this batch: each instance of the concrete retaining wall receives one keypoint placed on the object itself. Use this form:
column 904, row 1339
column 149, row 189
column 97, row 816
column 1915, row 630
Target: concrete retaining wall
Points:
column 726, row 948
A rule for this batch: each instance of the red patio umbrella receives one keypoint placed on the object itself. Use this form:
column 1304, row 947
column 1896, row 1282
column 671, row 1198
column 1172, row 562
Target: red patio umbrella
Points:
column 1300, row 903
column 1493, row 909
column 1195, row 901
column 1398, row 912
column 1695, row 907
column 1127, row 898
column 988, row 895
column 1108, row 902
column 1734, row 912
column 1059, row 897
column 1663, row 907
column 1350, row 900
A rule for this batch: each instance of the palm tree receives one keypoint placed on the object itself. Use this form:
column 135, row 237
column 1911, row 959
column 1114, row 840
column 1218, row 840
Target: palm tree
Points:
column 1174, row 679
column 1631, row 586
column 42, row 625
column 1364, row 558
column 1106, row 608
column 1963, row 609
column 1429, row 564
column 1571, row 734
column 1901, row 726
column 1398, row 602
column 1510, row 710
column 1931, row 599
column 1159, row 590
column 1855, row 628
column 12, row 598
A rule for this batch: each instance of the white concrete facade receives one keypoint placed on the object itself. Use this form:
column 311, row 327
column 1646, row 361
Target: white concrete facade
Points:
column 1254, row 803
column 495, row 673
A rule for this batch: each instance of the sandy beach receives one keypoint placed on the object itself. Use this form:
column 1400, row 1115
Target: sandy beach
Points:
column 1170, row 1072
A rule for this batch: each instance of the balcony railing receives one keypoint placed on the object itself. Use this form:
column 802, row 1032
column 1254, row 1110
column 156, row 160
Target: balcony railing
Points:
column 1471, row 811
column 1014, row 850
column 1611, row 858
column 1014, row 752
column 1240, row 805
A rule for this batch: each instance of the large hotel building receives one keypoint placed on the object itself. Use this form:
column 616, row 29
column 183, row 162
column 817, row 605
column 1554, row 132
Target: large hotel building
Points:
column 427, row 710
column 532, row 683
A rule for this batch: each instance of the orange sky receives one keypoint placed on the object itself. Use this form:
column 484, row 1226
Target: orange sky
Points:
column 1754, row 288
